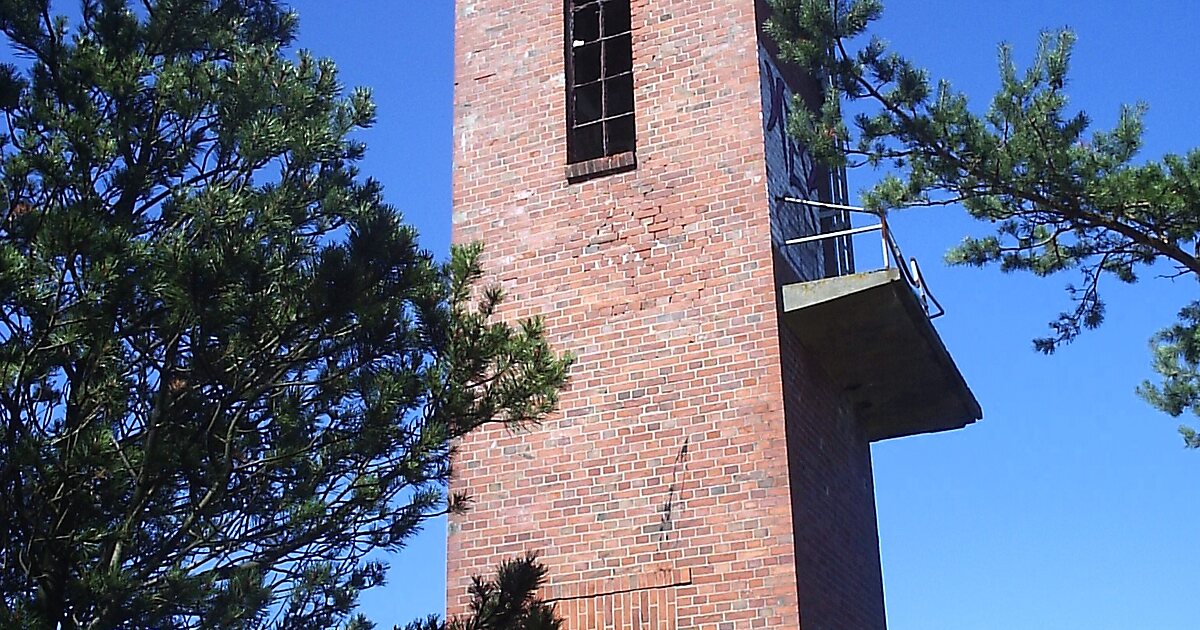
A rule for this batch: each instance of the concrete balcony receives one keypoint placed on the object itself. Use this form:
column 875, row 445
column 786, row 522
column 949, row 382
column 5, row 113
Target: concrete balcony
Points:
column 872, row 333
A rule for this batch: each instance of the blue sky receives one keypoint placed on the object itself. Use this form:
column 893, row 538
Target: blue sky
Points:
column 1072, row 504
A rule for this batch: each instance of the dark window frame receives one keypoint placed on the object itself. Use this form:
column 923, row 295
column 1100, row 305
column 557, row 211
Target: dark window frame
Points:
column 601, row 122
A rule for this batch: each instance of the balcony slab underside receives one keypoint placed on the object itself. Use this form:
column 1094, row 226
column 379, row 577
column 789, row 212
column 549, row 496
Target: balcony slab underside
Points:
column 871, row 334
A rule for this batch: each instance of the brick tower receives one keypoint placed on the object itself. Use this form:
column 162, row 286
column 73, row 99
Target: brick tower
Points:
column 626, row 166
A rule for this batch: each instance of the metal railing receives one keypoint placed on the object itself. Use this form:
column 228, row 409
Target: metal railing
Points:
column 909, row 269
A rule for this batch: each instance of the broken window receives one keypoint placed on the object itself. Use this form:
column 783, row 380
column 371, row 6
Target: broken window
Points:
column 599, row 79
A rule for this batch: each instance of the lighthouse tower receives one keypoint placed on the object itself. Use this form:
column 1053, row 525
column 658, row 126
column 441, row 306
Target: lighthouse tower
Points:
column 626, row 164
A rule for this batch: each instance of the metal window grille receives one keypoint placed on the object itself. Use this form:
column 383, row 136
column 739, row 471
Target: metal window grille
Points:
column 599, row 52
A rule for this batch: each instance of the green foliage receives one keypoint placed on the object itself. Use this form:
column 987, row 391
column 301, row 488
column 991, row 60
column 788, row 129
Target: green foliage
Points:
column 229, row 373
column 1177, row 359
column 507, row 602
column 1061, row 199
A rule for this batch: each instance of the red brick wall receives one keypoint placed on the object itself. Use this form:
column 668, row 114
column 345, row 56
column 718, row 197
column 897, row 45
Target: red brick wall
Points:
column 833, row 501
column 667, row 457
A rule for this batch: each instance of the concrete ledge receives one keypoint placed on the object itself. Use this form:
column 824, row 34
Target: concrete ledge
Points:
column 872, row 336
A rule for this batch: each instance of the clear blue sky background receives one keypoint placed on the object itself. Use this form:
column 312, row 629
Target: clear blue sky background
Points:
column 1072, row 504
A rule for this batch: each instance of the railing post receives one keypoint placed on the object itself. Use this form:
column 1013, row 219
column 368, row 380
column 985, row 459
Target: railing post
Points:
column 883, row 230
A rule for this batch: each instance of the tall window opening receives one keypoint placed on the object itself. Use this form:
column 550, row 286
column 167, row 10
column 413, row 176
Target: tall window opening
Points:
column 599, row 79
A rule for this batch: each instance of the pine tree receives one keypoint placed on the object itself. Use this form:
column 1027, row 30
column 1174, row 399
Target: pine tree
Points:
column 229, row 372
column 507, row 602
column 1061, row 198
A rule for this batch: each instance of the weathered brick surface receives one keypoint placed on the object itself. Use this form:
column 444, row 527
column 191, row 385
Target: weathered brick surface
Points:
column 791, row 172
column 671, row 455
column 833, row 501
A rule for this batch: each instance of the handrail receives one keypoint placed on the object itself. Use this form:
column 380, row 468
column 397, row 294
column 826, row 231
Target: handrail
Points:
column 926, row 296
column 825, row 235
column 891, row 249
